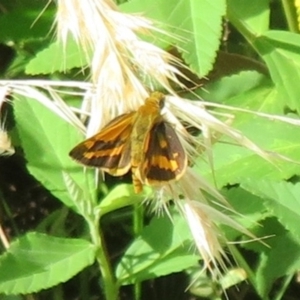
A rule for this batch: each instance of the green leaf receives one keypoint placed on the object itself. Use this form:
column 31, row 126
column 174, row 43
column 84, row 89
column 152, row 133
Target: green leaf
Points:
column 47, row 140
column 57, row 59
column 38, row 261
column 234, row 164
column 254, row 17
column 250, row 210
column 274, row 261
column 164, row 247
column 155, row 12
column 283, row 259
column 281, row 52
column 232, row 90
column 82, row 199
column 195, row 25
column 24, row 20
column 201, row 21
column 121, row 196
column 283, row 201
column 279, row 49
column 228, row 64
column 11, row 297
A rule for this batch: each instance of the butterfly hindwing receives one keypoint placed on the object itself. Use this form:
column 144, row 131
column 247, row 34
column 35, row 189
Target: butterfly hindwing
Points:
column 109, row 149
column 165, row 158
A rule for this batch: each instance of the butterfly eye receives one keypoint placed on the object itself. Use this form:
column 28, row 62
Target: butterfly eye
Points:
column 162, row 103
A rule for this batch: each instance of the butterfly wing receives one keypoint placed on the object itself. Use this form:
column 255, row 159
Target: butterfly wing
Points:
column 165, row 158
column 110, row 149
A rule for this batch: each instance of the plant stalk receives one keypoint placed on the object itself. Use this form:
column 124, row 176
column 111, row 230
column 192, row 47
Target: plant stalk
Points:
column 290, row 15
column 138, row 223
column 109, row 283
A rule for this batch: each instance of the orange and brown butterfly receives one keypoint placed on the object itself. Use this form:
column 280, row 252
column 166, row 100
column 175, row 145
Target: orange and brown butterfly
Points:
column 141, row 141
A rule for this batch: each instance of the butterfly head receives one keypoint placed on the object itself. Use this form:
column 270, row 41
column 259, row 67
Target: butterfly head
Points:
column 156, row 99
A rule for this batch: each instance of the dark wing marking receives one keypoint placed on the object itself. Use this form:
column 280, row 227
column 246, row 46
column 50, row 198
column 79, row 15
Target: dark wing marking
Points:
column 109, row 149
column 165, row 157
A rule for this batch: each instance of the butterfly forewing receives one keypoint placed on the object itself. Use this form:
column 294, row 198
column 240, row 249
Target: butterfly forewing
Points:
column 110, row 149
column 165, row 157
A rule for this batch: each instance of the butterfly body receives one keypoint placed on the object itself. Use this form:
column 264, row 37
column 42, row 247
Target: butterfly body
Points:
column 141, row 141
column 147, row 115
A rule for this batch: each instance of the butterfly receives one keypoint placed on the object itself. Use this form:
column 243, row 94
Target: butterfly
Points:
column 140, row 141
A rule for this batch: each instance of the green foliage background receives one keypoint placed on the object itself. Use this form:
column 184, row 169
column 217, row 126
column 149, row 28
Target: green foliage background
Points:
column 252, row 61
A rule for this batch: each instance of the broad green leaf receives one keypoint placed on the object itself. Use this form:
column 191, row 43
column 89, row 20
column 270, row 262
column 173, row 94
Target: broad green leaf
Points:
column 283, row 259
column 23, row 20
column 11, row 297
column 164, row 247
column 157, row 12
column 82, row 199
column 38, row 261
column 267, row 266
column 273, row 261
column 199, row 24
column 279, row 49
column 121, row 196
column 269, row 229
column 283, row 201
column 228, row 64
column 233, row 164
column 230, row 90
column 261, row 99
column 57, row 59
column 196, row 27
column 248, row 90
column 254, row 17
column 250, row 210
column 47, row 140
column 281, row 52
